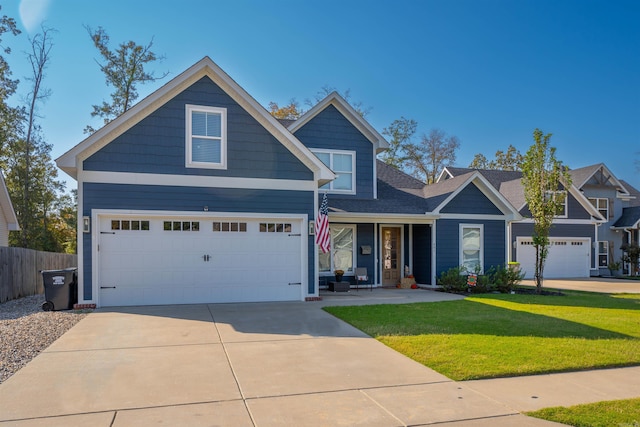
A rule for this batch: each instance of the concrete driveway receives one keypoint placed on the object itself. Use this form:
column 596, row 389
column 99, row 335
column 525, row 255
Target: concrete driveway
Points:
column 267, row 364
column 592, row 284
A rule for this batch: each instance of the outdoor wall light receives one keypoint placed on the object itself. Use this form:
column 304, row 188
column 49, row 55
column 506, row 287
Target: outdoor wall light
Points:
column 312, row 228
column 86, row 224
column 206, row 208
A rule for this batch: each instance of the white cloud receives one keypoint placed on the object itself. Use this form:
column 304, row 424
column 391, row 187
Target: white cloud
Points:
column 32, row 13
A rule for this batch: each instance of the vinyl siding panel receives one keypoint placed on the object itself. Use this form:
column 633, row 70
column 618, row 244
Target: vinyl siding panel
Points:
column 330, row 130
column 448, row 243
column 365, row 238
column 471, row 201
column 187, row 199
column 574, row 210
column 157, row 143
column 422, row 253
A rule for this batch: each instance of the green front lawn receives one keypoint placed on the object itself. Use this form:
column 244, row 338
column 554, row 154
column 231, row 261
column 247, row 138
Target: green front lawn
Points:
column 497, row 335
column 623, row 413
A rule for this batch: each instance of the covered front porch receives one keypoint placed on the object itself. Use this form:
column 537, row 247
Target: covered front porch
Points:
column 390, row 249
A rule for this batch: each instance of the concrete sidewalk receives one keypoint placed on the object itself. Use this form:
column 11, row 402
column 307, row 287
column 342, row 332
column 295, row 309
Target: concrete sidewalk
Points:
column 266, row 364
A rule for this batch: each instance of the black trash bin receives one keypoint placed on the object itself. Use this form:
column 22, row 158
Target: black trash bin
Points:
column 60, row 289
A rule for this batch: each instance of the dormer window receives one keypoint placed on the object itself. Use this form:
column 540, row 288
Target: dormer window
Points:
column 206, row 135
column 602, row 205
column 343, row 164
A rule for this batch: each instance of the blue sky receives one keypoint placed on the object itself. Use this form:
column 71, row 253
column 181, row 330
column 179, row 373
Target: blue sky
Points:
column 487, row 71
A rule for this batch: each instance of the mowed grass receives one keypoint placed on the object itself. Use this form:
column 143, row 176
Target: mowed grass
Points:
column 602, row 414
column 491, row 335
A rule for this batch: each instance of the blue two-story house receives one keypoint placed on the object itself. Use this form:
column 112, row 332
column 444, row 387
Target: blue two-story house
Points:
column 197, row 194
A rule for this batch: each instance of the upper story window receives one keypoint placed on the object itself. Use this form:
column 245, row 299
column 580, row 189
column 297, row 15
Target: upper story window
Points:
column 602, row 205
column 561, row 198
column 343, row 163
column 206, row 134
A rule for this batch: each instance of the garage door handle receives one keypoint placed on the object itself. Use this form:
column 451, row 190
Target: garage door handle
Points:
column 294, row 283
column 107, row 287
column 107, row 232
column 295, row 234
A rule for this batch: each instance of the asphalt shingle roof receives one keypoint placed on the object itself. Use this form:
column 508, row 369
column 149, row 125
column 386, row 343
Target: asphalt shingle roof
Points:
column 630, row 218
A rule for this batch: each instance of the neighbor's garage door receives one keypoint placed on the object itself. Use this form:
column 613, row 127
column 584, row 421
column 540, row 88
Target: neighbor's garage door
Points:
column 567, row 258
column 174, row 260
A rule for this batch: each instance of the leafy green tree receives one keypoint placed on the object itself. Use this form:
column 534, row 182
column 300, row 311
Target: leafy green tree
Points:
column 400, row 132
column 511, row 160
column 435, row 151
column 543, row 179
column 9, row 116
column 124, row 70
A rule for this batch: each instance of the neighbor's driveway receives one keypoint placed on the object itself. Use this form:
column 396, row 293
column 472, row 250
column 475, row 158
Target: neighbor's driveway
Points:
column 266, row 364
column 592, row 284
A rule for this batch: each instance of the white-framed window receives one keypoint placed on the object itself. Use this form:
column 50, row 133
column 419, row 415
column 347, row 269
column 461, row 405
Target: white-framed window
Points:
column 472, row 246
column 603, row 253
column 206, row 137
column 343, row 163
column 343, row 250
column 561, row 197
column 602, row 205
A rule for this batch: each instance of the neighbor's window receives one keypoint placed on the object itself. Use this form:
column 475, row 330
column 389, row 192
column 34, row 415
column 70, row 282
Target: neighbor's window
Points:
column 603, row 253
column 471, row 246
column 206, row 137
column 343, row 163
column 561, row 197
column 342, row 254
column 602, row 205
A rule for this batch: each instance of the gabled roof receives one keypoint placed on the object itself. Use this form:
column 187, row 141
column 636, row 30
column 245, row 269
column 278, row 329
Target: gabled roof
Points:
column 509, row 184
column 582, row 176
column 69, row 161
column 378, row 141
column 6, row 207
column 399, row 193
column 634, row 200
column 630, row 218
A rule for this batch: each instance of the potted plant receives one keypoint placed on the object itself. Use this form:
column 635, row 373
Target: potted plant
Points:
column 614, row 266
column 339, row 274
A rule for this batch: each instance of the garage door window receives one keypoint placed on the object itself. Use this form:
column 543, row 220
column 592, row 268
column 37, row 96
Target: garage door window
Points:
column 225, row 226
column 471, row 246
column 181, row 226
column 271, row 227
column 127, row 225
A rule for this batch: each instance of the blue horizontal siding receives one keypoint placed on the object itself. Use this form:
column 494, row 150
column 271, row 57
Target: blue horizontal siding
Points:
column 192, row 199
column 330, row 130
column 471, row 200
column 448, row 243
column 422, row 253
column 157, row 143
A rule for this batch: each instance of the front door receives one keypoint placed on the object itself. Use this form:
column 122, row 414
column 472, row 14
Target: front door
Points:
column 391, row 256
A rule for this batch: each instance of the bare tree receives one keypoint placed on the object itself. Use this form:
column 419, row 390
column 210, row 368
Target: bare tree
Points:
column 431, row 155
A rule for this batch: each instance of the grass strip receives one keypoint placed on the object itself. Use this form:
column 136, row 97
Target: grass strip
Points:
column 621, row 413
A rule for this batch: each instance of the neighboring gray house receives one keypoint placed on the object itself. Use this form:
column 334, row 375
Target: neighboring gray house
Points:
column 598, row 217
column 8, row 219
column 197, row 194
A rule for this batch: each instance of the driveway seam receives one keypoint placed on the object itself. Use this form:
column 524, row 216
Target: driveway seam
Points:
column 233, row 372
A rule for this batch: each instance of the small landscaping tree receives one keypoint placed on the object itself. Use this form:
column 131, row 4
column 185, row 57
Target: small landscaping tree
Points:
column 631, row 255
column 543, row 178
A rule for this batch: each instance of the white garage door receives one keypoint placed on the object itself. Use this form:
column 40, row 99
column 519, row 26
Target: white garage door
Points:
column 567, row 257
column 173, row 260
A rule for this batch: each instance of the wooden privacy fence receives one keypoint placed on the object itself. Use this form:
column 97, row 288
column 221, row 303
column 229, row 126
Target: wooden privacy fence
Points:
column 20, row 270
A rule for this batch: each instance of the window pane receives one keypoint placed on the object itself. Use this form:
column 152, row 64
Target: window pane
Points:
column 343, row 182
column 324, row 158
column 324, row 261
column 214, row 124
column 198, row 123
column 342, row 248
column 471, row 239
column 205, row 150
column 342, row 162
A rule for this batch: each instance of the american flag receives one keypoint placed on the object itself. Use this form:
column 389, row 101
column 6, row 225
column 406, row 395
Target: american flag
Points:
column 323, row 236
